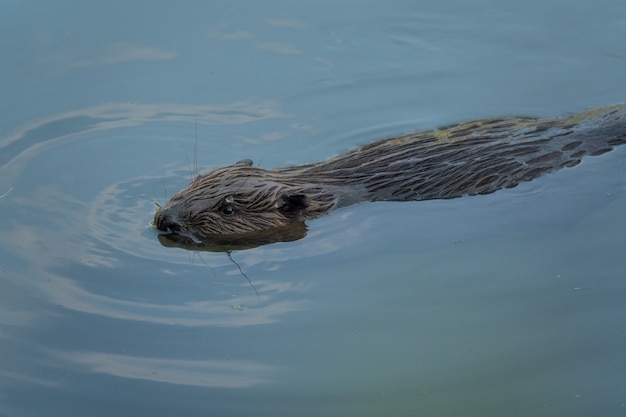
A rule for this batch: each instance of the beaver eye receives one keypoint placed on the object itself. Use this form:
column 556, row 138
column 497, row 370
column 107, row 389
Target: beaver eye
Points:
column 227, row 210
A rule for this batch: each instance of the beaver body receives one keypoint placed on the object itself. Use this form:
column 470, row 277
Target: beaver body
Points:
column 478, row 157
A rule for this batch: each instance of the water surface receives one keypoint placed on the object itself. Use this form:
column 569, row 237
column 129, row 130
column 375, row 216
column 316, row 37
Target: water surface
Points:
column 507, row 304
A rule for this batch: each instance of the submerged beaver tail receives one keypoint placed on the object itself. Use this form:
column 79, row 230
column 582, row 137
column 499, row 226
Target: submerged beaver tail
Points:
column 473, row 158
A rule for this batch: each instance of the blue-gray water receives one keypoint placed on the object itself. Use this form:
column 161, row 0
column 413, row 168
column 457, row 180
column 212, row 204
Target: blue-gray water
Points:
column 511, row 304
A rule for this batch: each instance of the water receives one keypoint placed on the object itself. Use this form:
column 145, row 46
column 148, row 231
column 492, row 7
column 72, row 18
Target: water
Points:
column 508, row 304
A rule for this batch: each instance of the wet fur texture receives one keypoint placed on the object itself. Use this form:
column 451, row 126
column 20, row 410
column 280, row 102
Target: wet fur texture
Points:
column 478, row 157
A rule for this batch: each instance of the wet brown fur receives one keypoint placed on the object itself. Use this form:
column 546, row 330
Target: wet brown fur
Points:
column 478, row 157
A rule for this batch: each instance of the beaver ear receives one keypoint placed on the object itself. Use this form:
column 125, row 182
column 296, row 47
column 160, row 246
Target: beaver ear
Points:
column 247, row 162
column 292, row 203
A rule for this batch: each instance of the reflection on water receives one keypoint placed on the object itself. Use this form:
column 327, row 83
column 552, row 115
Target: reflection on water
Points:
column 118, row 115
column 202, row 373
column 289, row 233
column 210, row 310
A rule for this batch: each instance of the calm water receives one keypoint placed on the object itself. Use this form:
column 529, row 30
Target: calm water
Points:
column 512, row 304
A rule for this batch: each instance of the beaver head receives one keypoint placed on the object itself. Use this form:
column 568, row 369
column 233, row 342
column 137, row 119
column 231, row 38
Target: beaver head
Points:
column 240, row 200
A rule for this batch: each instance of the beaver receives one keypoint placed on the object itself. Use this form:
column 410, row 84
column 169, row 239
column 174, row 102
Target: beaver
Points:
column 242, row 203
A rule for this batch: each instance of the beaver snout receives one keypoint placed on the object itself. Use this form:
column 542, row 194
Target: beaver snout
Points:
column 166, row 219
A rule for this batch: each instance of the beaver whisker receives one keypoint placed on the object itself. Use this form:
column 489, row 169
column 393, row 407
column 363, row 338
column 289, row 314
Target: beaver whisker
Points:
column 229, row 253
column 472, row 158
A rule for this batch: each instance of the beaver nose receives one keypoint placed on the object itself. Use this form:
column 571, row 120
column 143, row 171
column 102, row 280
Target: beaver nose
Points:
column 166, row 219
